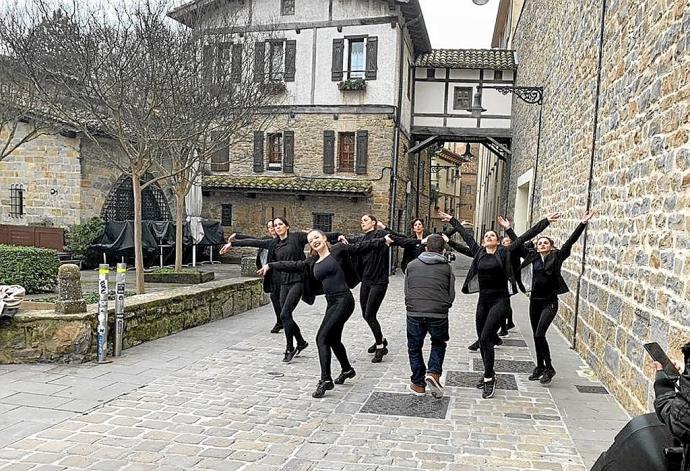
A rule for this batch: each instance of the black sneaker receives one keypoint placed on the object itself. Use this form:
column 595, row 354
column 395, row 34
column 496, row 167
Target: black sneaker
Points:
column 548, row 375
column 321, row 388
column 511, row 325
column 536, row 374
column 498, row 342
column 474, row 347
column 277, row 328
column 345, row 375
column 480, row 383
column 380, row 353
column 489, row 389
column 503, row 332
column 289, row 355
column 300, row 347
column 372, row 349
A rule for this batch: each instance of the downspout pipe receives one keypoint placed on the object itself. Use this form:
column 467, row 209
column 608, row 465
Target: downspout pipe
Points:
column 595, row 128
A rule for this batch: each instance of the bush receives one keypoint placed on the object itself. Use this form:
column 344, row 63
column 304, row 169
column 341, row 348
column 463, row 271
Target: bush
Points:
column 33, row 268
column 80, row 236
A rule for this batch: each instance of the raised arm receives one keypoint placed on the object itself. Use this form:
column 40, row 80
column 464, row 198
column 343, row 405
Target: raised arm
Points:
column 259, row 243
column 534, row 231
column 462, row 249
column 567, row 247
column 463, row 231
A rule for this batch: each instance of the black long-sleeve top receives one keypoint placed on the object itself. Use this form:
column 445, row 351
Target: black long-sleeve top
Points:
column 373, row 265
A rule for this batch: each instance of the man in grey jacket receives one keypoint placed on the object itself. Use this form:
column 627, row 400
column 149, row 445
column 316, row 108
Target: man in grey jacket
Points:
column 429, row 293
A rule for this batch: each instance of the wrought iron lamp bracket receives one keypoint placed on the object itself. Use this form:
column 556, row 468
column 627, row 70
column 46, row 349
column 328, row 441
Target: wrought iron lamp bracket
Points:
column 530, row 95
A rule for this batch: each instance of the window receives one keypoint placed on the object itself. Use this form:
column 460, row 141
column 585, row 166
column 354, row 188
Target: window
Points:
column 275, row 151
column 275, row 61
column 498, row 75
column 226, row 215
column 355, row 62
column 430, row 73
column 468, row 189
column 323, row 222
column 462, row 98
column 16, row 200
column 287, row 7
column 346, row 152
column 220, row 159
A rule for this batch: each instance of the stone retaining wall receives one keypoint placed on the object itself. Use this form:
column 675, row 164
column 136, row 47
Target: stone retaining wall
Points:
column 44, row 336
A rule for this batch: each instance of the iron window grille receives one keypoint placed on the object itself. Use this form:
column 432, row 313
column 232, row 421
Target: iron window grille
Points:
column 462, row 98
column 226, row 215
column 323, row 221
column 17, row 200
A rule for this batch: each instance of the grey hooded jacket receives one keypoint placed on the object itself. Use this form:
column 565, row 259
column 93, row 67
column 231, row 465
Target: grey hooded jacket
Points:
column 429, row 286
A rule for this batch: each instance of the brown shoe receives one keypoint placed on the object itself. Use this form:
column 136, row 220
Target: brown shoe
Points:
column 417, row 390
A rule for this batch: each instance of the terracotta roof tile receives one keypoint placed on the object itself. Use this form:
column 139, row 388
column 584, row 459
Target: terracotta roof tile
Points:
column 289, row 184
column 497, row 59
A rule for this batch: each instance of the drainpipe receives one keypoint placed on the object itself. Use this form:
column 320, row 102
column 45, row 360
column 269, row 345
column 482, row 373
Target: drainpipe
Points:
column 597, row 95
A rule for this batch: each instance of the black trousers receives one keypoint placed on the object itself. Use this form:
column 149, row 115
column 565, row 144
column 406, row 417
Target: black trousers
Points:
column 338, row 310
column 509, row 317
column 541, row 315
column 275, row 302
column 370, row 299
column 491, row 311
column 290, row 295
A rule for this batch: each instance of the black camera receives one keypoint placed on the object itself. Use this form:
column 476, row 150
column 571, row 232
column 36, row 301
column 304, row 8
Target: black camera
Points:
column 450, row 256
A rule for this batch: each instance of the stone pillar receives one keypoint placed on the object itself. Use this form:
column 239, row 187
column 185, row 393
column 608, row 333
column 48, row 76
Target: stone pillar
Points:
column 70, row 298
column 248, row 266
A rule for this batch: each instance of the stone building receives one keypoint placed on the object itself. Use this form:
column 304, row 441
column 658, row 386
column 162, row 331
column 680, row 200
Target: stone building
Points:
column 454, row 179
column 337, row 146
column 614, row 135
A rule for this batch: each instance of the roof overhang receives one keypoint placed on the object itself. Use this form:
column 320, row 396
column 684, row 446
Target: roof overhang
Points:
column 289, row 185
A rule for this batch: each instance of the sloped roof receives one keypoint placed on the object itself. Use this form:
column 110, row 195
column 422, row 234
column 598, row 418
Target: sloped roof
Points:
column 497, row 59
column 288, row 184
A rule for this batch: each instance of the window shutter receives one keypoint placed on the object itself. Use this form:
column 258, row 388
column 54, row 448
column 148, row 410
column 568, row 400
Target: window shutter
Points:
column 290, row 59
column 236, row 68
column 288, row 151
column 258, row 151
column 362, row 152
column 328, row 151
column 337, row 66
column 259, row 59
column 372, row 53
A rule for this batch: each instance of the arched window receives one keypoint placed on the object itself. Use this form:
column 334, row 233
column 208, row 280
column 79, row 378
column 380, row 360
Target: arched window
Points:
column 119, row 206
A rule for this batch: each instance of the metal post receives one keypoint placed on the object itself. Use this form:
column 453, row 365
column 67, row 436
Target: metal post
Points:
column 102, row 330
column 119, row 307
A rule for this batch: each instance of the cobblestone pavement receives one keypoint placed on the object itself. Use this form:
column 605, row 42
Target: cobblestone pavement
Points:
column 219, row 397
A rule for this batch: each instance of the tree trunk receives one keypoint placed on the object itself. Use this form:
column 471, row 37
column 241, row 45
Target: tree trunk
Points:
column 138, row 243
column 179, row 222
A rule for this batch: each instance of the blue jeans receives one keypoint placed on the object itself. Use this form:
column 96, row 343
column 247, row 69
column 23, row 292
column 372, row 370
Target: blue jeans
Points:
column 417, row 328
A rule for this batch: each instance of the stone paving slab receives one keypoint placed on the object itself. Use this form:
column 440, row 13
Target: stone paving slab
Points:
column 219, row 397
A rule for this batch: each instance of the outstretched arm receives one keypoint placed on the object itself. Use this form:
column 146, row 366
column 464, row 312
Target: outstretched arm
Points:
column 534, row 231
column 296, row 266
column 462, row 249
column 568, row 245
column 365, row 246
column 462, row 230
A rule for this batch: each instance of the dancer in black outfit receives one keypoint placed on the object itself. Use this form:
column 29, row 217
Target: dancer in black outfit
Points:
column 329, row 271
column 490, row 276
column 271, row 283
column 373, row 267
column 414, row 245
column 288, row 246
column 540, row 273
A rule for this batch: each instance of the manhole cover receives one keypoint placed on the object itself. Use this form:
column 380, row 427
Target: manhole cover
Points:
column 275, row 374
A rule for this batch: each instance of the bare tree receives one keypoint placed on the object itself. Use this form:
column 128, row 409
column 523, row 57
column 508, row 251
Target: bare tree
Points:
column 142, row 80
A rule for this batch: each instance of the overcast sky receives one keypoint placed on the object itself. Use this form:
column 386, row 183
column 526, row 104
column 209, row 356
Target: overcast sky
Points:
column 459, row 23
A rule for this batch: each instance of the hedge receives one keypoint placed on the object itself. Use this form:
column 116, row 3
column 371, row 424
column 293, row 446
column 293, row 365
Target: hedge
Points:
column 33, row 268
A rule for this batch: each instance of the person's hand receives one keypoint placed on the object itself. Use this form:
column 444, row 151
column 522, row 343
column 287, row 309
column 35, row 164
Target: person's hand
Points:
column 445, row 237
column 445, row 217
column 503, row 222
column 587, row 216
column 660, row 367
column 466, row 224
column 231, row 239
column 423, row 241
column 553, row 217
column 388, row 239
column 380, row 226
column 263, row 270
column 343, row 239
column 225, row 249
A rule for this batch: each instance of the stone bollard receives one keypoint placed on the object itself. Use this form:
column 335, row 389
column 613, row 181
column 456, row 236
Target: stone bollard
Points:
column 70, row 298
column 248, row 266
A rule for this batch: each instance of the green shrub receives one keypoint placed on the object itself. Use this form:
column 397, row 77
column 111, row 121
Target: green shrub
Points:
column 33, row 268
column 79, row 237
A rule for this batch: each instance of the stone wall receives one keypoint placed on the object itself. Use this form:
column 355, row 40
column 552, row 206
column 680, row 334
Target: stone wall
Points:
column 636, row 284
column 48, row 168
column 98, row 175
column 44, row 336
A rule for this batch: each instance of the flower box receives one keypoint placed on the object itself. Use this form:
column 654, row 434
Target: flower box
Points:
column 352, row 85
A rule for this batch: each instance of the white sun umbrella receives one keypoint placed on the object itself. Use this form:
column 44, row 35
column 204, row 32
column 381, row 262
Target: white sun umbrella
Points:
column 193, row 202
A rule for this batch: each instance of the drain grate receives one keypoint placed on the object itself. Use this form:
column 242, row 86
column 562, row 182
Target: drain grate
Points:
column 514, row 343
column 408, row 405
column 591, row 389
